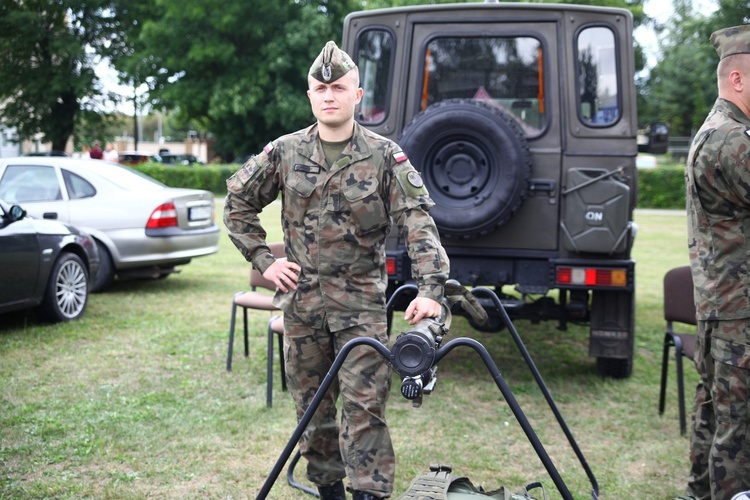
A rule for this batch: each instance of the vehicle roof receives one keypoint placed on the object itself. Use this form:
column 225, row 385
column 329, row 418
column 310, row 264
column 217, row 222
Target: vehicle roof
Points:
column 450, row 7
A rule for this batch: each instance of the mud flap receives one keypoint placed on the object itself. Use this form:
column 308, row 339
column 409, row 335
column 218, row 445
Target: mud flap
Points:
column 612, row 336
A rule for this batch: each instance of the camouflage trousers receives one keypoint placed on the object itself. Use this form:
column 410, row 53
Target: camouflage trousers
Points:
column 360, row 448
column 720, row 441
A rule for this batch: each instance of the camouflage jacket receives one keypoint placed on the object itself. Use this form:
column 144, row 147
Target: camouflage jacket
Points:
column 335, row 223
column 718, row 206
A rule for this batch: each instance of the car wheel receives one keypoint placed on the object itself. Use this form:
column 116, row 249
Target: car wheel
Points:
column 475, row 163
column 67, row 290
column 105, row 276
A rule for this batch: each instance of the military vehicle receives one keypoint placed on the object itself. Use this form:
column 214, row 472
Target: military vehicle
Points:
column 521, row 119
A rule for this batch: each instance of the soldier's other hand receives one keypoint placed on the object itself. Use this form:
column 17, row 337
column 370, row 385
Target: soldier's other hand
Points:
column 421, row 308
column 284, row 274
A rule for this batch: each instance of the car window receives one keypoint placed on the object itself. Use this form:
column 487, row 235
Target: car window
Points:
column 24, row 183
column 78, row 187
column 374, row 59
column 506, row 72
column 598, row 94
column 128, row 178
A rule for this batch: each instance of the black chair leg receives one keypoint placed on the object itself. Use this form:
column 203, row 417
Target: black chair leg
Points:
column 680, row 384
column 281, row 362
column 231, row 336
column 244, row 323
column 664, row 365
column 269, row 366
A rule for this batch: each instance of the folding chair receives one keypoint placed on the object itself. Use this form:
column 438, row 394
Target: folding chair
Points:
column 255, row 299
column 679, row 307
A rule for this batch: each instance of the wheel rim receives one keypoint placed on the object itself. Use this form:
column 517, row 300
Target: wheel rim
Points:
column 71, row 289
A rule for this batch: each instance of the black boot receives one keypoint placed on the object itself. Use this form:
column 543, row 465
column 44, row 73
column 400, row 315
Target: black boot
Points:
column 361, row 495
column 333, row 491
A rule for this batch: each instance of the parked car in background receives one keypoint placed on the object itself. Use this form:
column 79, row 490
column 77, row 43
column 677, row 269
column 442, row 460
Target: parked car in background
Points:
column 54, row 152
column 136, row 157
column 142, row 228
column 180, row 159
column 44, row 264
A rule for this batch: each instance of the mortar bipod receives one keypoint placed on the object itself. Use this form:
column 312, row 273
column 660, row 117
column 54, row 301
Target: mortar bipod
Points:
column 542, row 386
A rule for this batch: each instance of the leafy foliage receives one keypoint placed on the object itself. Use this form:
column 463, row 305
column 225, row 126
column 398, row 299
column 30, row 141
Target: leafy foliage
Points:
column 47, row 73
column 682, row 88
column 236, row 69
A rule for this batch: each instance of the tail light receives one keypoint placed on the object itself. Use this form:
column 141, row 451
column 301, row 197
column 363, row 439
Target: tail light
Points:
column 390, row 266
column 592, row 276
column 165, row 215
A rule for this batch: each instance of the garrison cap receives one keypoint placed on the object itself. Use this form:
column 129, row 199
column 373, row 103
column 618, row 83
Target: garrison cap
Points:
column 731, row 41
column 331, row 64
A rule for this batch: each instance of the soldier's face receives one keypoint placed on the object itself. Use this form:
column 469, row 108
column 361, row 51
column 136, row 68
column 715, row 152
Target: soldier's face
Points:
column 333, row 103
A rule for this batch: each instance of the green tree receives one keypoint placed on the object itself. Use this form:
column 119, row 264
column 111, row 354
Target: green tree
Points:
column 236, row 69
column 681, row 88
column 47, row 58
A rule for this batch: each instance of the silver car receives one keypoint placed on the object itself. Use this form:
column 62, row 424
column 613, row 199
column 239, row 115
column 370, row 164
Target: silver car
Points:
column 142, row 228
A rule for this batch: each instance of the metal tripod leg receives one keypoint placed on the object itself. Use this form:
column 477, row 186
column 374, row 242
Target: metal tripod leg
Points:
column 385, row 352
column 541, row 384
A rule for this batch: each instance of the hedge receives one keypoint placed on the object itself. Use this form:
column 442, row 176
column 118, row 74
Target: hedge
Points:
column 661, row 187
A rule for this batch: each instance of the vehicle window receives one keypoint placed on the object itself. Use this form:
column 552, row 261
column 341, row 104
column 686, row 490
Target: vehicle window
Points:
column 598, row 94
column 506, row 72
column 24, row 183
column 128, row 178
column 78, row 187
column 374, row 62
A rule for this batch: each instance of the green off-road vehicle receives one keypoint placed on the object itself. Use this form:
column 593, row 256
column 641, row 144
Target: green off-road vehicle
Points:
column 521, row 119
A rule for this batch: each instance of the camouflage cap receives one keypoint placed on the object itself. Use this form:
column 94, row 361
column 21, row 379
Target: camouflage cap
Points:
column 731, row 41
column 331, row 64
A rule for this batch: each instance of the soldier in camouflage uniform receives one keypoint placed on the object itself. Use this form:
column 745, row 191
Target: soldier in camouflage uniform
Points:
column 718, row 205
column 342, row 187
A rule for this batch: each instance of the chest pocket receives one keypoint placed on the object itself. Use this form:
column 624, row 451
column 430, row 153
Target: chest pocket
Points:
column 299, row 189
column 363, row 201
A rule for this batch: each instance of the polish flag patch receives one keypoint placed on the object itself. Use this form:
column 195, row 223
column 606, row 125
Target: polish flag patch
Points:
column 268, row 147
column 400, row 157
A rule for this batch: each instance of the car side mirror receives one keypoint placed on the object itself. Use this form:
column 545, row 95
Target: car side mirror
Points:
column 17, row 213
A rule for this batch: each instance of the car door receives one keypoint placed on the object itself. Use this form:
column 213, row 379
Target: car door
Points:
column 19, row 261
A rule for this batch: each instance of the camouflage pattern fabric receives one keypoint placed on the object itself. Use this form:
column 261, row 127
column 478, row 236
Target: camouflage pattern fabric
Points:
column 335, row 222
column 364, row 384
column 331, row 64
column 731, row 41
column 719, row 451
column 718, row 207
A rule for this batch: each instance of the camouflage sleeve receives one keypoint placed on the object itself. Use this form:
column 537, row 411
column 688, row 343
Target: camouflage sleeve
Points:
column 734, row 161
column 249, row 190
column 410, row 204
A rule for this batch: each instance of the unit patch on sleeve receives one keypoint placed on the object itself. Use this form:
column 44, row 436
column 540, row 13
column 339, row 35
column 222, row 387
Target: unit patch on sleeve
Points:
column 412, row 184
column 415, row 179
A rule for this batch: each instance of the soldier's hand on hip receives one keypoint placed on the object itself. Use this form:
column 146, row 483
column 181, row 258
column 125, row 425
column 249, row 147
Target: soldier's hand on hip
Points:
column 284, row 274
column 421, row 308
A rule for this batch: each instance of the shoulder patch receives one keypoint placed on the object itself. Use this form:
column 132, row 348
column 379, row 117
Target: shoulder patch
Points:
column 400, row 157
column 246, row 172
column 412, row 184
column 268, row 147
column 415, row 179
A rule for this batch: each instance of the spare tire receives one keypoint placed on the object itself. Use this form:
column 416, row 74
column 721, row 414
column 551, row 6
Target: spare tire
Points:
column 475, row 163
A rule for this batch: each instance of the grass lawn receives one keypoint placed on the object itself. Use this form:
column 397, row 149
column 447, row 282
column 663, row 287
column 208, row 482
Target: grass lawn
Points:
column 134, row 400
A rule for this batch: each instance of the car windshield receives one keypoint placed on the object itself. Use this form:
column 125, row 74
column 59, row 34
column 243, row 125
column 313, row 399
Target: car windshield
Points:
column 127, row 178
